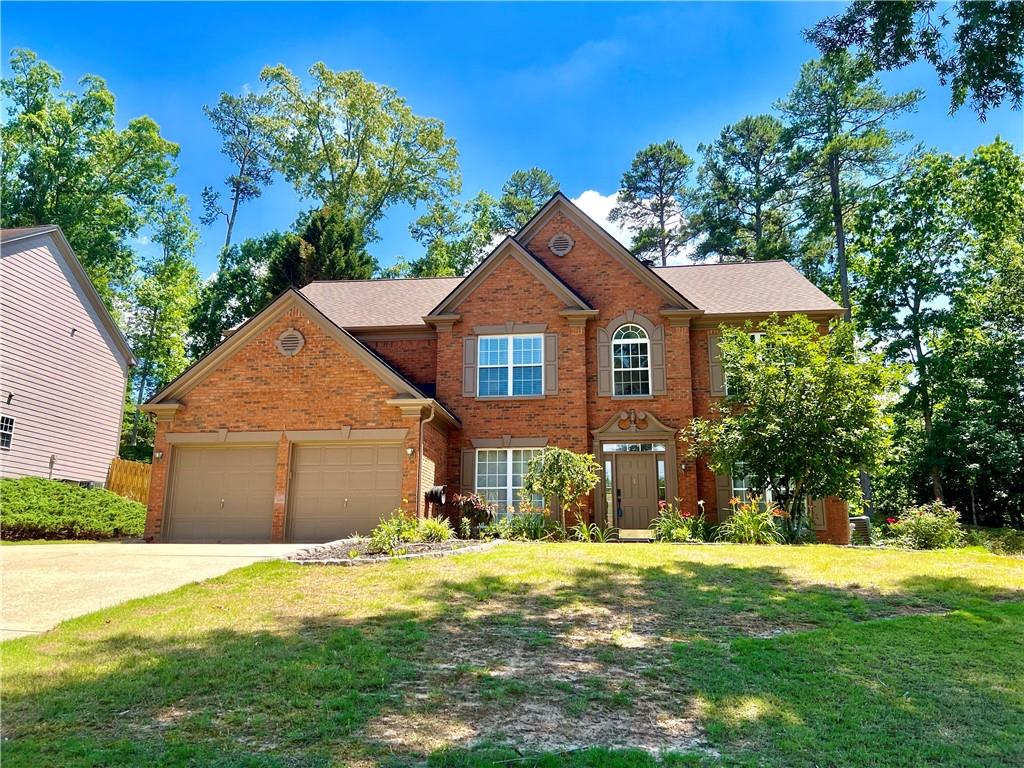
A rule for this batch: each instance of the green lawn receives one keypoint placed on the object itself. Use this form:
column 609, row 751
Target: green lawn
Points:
column 721, row 655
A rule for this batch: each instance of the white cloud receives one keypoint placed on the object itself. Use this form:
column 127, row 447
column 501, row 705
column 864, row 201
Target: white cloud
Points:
column 597, row 207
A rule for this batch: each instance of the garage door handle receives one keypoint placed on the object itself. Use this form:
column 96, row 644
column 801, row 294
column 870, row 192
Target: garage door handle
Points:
column 222, row 503
column 346, row 502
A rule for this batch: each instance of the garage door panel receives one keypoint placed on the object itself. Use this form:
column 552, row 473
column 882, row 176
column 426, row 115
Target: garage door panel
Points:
column 339, row 491
column 222, row 494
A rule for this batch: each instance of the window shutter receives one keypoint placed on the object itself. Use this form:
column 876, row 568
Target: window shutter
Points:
column 468, row 479
column 604, row 363
column 469, row 366
column 816, row 512
column 658, row 361
column 550, row 363
column 717, row 375
column 723, row 492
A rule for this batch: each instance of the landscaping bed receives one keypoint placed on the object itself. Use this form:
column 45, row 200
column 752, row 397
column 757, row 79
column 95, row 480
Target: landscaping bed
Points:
column 362, row 551
column 32, row 508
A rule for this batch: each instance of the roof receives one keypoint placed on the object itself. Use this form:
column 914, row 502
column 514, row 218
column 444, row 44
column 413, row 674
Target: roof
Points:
column 14, row 234
column 377, row 303
column 748, row 287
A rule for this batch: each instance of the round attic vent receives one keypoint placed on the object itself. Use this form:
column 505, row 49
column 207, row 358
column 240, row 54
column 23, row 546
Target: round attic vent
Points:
column 561, row 244
column 290, row 342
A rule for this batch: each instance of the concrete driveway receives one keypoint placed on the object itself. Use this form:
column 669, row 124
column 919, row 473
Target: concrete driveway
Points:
column 44, row 584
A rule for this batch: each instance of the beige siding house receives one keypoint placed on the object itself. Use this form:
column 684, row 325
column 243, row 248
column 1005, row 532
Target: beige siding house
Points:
column 64, row 364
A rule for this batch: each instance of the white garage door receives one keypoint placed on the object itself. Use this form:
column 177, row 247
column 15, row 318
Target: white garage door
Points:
column 340, row 490
column 221, row 494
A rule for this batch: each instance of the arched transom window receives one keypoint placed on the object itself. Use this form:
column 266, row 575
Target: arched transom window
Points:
column 631, row 361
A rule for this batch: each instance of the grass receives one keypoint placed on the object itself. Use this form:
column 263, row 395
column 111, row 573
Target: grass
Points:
column 718, row 655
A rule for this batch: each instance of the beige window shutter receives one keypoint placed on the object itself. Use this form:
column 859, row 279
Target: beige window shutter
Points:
column 604, row 363
column 469, row 348
column 715, row 365
column 657, row 361
column 723, row 492
column 550, row 363
column 468, row 480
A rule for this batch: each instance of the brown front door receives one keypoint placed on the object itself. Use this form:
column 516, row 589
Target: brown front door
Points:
column 636, row 490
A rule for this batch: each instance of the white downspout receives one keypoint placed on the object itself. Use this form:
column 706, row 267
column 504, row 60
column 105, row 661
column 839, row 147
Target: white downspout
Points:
column 419, row 467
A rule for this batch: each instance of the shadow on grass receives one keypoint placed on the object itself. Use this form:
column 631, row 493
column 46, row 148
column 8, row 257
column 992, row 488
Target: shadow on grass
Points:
column 741, row 662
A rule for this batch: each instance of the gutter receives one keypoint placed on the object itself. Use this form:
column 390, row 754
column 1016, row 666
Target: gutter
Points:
column 419, row 468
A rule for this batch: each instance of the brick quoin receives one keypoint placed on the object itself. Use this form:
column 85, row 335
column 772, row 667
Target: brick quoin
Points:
column 326, row 387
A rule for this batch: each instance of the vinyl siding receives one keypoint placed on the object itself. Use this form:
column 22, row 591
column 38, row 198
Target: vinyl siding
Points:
column 68, row 391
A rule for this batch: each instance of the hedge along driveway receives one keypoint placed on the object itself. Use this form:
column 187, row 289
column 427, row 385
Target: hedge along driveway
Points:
column 47, row 583
column 733, row 655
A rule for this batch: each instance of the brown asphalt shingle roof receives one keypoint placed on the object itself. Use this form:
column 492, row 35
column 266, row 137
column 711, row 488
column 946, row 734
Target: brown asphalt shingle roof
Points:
column 747, row 287
column 718, row 289
column 374, row 303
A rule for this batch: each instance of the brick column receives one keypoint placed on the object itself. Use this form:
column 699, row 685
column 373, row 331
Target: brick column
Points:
column 278, row 522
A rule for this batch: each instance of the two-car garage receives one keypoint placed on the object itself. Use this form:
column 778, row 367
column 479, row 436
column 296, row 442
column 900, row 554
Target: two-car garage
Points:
column 225, row 493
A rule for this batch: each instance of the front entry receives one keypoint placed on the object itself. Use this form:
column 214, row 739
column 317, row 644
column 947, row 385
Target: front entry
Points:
column 636, row 490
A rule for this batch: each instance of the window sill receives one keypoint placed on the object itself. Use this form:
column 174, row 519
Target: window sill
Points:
column 503, row 398
column 631, row 397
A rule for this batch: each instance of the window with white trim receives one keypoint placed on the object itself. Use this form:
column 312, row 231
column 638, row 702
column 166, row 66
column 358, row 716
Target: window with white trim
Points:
column 631, row 361
column 499, row 476
column 743, row 487
column 6, row 432
column 755, row 337
column 510, row 366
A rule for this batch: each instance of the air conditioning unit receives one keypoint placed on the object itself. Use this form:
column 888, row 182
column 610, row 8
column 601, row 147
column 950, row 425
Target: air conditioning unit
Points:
column 860, row 530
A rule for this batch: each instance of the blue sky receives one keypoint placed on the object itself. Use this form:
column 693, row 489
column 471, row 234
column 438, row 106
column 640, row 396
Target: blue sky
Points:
column 573, row 88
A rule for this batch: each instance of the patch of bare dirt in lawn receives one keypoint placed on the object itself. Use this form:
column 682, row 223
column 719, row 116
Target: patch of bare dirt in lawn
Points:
column 545, row 678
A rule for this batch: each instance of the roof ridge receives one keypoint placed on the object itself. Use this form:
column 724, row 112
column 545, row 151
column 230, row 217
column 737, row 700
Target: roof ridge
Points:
column 387, row 279
column 746, row 263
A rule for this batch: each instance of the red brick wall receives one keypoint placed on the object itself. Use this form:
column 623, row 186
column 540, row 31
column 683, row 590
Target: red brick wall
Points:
column 258, row 389
column 416, row 359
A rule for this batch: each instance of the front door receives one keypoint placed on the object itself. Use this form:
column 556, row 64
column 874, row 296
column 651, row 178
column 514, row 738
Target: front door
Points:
column 636, row 490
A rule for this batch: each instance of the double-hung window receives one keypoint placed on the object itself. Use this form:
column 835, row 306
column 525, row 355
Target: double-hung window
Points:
column 631, row 368
column 6, row 432
column 754, row 337
column 510, row 366
column 499, row 476
column 742, row 486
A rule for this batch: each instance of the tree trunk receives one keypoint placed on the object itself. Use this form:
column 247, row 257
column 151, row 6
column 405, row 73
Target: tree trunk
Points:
column 758, row 229
column 837, row 222
column 231, row 219
column 926, row 411
column 143, row 380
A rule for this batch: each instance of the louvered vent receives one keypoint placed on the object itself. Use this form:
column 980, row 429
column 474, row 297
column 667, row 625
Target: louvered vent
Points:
column 860, row 530
column 561, row 244
column 290, row 342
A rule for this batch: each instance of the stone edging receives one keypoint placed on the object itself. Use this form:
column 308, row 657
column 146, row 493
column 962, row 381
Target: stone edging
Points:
column 483, row 547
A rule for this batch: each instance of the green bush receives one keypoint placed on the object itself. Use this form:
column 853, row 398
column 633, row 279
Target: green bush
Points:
column 33, row 508
column 750, row 523
column 393, row 532
column 527, row 525
column 929, row 526
column 673, row 524
column 435, row 529
column 1000, row 541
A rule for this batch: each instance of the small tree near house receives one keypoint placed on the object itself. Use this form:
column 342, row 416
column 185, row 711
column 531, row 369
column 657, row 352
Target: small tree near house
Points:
column 564, row 478
column 801, row 414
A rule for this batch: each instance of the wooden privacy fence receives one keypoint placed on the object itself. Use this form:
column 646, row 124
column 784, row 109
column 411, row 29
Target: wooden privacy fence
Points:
column 129, row 479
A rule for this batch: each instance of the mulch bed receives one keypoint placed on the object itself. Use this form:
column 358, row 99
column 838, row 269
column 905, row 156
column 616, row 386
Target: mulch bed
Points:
column 357, row 551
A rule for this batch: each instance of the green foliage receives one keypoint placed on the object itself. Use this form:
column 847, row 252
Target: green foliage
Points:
column 66, row 162
column 355, row 145
column 750, row 522
column 654, row 201
column 328, row 247
column 564, row 476
column 242, row 122
column 1001, row 541
column 801, row 413
column 522, row 196
column 929, row 526
column 981, row 59
column 677, row 525
column 393, row 533
column 435, row 529
column 474, row 513
column 746, row 192
column 33, row 508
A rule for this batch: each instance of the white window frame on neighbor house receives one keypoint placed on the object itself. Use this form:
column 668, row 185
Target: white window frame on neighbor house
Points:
column 6, row 432
column 504, row 458
column 510, row 365
column 643, row 339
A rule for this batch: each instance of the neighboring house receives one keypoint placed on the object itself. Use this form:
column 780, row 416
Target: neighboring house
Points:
column 343, row 401
column 64, row 364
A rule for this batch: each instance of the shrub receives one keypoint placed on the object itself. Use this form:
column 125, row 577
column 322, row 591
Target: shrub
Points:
column 674, row 524
column 569, row 477
column 750, row 523
column 475, row 513
column 393, row 532
column 1000, row 541
column 527, row 525
column 435, row 529
column 929, row 526
column 33, row 508
column 592, row 533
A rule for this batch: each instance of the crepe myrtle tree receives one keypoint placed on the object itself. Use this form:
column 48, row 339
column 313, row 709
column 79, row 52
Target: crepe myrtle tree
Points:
column 802, row 412
column 563, row 477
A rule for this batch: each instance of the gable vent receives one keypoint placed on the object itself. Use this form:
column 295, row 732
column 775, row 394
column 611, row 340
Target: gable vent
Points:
column 290, row 342
column 561, row 244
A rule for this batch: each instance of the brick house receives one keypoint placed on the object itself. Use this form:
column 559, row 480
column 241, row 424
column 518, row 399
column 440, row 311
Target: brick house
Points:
column 340, row 402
